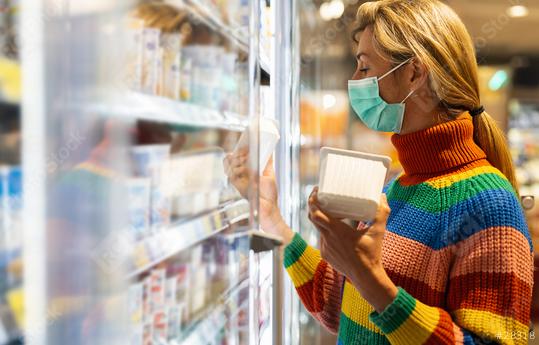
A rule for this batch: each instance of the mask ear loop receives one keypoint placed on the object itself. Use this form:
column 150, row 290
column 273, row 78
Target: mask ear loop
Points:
column 410, row 94
column 394, row 69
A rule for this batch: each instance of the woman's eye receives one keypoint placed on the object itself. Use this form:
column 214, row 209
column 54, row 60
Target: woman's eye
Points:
column 364, row 70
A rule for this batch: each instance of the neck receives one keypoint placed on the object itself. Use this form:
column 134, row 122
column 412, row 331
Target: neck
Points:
column 438, row 149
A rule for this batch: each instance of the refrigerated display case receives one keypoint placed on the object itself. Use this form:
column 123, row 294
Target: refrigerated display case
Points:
column 133, row 234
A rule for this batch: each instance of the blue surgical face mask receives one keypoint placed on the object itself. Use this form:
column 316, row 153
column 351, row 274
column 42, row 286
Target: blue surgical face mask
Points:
column 369, row 106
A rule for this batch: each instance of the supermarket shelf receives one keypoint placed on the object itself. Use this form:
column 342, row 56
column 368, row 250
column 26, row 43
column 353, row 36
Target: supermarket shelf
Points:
column 213, row 20
column 260, row 241
column 164, row 245
column 140, row 106
column 215, row 318
column 263, row 242
column 210, row 18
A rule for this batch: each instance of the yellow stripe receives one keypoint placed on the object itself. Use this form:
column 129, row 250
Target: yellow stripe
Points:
column 356, row 308
column 450, row 179
column 303, row 269
column 491, row 325
column 409, row 332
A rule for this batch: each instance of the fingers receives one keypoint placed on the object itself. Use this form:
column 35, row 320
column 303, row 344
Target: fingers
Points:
column 232, row 162
column 383, row 211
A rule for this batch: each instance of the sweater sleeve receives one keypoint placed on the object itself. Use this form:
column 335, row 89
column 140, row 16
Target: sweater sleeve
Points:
column 489, row 290
column 319, row 286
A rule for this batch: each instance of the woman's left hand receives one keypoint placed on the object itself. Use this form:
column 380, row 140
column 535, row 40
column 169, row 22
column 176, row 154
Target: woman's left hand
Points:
column 356, row 253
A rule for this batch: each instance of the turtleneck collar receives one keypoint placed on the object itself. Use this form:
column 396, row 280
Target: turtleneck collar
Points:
column 438, row 149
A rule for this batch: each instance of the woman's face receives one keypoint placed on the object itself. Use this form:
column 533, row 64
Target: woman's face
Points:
column 371, row 64
column 422, row 107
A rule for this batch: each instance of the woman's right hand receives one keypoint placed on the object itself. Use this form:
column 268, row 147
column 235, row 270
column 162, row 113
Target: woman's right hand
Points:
column 270, row 217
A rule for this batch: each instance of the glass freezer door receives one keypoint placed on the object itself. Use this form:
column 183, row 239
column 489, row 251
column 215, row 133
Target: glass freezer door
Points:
column 137, row 229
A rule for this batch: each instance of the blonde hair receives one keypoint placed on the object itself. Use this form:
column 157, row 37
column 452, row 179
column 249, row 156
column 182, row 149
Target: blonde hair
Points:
column 434, row 34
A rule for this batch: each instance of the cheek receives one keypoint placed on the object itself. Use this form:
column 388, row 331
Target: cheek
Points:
column 390, row 91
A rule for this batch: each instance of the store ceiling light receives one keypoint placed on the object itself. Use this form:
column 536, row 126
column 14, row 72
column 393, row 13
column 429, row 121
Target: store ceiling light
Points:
column 331, row 10
column 328, row 101
column 498, row 80
column 518, row 11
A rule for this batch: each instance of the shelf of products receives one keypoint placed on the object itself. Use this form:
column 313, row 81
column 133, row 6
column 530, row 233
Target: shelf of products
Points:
column 140, row 106
column 159, row 247
column 208, row 13
column 141, row 209
column 226, row 307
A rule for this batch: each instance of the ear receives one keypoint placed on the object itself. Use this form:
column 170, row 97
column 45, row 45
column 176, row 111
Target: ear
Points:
column 418, row 74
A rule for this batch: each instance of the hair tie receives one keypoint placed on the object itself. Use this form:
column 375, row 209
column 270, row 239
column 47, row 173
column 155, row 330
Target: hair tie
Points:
column 477, row 111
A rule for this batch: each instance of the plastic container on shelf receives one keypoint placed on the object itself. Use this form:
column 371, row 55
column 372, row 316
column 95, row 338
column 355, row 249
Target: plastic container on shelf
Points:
column 138, row 206
column 149, row 161
column 150, row 60
column 351, row 183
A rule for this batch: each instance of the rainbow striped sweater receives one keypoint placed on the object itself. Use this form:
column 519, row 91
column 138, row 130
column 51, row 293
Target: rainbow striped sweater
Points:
column 457, row 246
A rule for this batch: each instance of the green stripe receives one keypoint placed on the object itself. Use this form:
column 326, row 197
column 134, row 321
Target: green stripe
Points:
column 394, row 315
column 353, row 333
column 421, row 196
column 294, row 250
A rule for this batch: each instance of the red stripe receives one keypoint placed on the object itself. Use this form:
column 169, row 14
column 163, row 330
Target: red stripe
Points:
column 420, row 290
column 312, row 292
column 410, row 180
column 500, row 293
column 305, row 292
column 443, row 333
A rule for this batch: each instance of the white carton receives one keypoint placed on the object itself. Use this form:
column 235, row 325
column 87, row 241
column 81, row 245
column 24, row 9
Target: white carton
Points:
column 351, row 183
column 269, row 136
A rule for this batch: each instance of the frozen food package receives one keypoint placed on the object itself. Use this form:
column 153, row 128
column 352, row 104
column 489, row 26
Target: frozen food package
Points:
column 150, row 60
column 150, row 161
column 186, row 77
column 135, row 304
column 351, row 183
column 134, row 52
column 157, row 289
column 147, row 335
column 197, row 171
column 171, row 290
column 146, row 306
column 268, row 136
column 171, row 44
column 174, row 320
column 160, row 326
column 138, row 206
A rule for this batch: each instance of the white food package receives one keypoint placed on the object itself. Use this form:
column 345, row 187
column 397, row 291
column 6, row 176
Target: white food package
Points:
column 351, row 183
column 269, row 136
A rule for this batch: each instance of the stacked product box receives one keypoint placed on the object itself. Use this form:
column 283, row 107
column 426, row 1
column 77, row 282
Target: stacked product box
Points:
column 159, row 64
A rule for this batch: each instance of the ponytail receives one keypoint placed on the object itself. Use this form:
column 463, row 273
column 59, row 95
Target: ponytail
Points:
column 491, row 139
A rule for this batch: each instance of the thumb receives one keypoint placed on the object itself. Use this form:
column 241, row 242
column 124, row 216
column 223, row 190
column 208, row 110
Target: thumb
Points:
column 382, row 213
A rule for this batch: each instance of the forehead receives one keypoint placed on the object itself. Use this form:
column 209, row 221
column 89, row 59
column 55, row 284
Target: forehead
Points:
column 366, row 46
column 365, row 43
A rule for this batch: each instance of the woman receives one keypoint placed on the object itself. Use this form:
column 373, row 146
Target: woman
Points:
column 448, row 258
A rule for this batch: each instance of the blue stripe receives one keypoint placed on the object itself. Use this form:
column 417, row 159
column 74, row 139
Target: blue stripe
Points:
column 487, row 209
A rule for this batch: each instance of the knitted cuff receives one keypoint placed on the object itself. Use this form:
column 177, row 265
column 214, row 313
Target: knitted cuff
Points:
column 395, row 313
column 294, row 250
